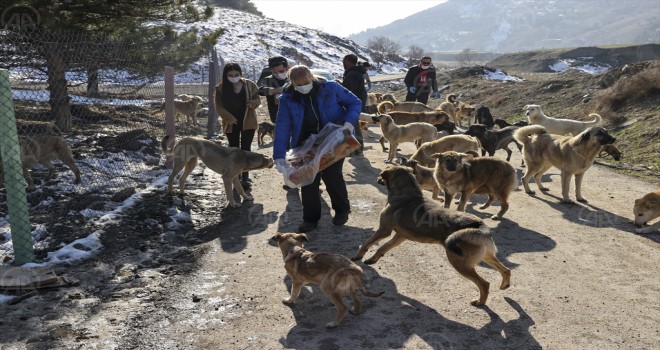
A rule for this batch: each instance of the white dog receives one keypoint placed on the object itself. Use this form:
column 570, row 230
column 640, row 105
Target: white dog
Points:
column 558, row 126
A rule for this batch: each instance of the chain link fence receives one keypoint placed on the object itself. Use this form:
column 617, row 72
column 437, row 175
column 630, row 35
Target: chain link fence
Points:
column 95, row 105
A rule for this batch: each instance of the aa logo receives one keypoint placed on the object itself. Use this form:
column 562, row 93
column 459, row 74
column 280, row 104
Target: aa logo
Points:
column 19, row 17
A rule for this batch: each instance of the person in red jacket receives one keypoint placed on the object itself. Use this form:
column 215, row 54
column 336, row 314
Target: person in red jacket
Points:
column 420, row 81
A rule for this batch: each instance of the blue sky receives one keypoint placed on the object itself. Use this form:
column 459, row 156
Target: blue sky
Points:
column 342, row 17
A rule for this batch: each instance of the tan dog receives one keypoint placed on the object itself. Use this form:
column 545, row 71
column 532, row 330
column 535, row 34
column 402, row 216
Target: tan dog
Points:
column 462, row 173
column 336, row 275
column 449, row 107
column 374, row 98
column 42, row 149
column 572, row 155
column 559, row 126
column 226, row 161
column 411, row 132
column 647, row 209
column 403, row 118
column 424, row 177
column 466, row 238
column 185, row 107
column 402, row 106
column 458, row 143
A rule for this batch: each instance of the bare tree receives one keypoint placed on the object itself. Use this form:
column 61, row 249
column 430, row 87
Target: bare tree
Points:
column 384, row 47
column 465, row 57
column 414, row 54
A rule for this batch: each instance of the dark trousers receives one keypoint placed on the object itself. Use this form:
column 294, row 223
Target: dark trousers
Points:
column 422, row 97
column 242, row 139
column 333, row 179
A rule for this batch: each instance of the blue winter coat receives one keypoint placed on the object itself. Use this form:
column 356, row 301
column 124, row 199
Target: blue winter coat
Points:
column 335, row 103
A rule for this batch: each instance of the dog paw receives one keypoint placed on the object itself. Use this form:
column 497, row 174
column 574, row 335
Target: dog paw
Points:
column 370, row 261
column 353, row 311
column 234, row 205
column 495, row 217
column 582, row 200
column 331, row 325
column 248, row 198
column 288, row 301
column 568, row 201
column 356, row 258
column 530, row 192
column 477, row 302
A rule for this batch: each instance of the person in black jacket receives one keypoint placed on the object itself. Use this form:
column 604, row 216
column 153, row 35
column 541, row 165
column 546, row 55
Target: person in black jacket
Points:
column 271, row 85
column 353, row 81
column 420, row 81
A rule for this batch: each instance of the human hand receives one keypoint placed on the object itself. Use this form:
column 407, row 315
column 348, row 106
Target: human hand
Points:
column 412, row 89
column 349, row 126
column 436, row 94
column 281, row 164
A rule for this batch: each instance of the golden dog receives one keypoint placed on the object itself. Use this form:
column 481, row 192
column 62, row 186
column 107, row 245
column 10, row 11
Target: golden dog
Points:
column 647, row 209
column 336, row 274
column 458, row 143
column 424, row 177
column 558, row 126
column 411, row 132
column 402, row 106
column 466, row 238
column 403, row 118
column 456, row 109
column 462, row 173
column 226, row 161
column 572, row 155
column 185, row 107
column 42, row 149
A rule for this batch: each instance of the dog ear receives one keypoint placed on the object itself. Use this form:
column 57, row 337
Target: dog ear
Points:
column 277, row 237
column 471, row 153
column 403, row 160
column 436, row 155
column 586, row 135
column 302, row 237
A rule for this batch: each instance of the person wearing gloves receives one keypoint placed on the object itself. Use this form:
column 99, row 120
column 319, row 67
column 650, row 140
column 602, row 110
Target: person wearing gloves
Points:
column 306, row 106
column 236, row 100
column 271, row 85
column 420, row 81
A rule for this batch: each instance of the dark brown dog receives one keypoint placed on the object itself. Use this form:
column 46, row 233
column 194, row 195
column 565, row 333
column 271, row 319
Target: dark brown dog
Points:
column 466, row 238
column 460, row 172
column 336, row 274
column 492, row 140
column 265, row 128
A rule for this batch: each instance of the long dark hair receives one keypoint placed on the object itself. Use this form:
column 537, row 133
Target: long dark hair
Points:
column 227, row 86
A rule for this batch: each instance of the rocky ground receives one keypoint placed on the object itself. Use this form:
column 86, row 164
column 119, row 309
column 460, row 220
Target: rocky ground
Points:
column 581, row 277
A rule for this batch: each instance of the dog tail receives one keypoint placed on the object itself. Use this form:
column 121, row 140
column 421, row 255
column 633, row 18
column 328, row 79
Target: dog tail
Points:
column 163, row 146
column 479, row 236
column 369, row 293
column 522, row 135
column 384, row 107
column 595, row 121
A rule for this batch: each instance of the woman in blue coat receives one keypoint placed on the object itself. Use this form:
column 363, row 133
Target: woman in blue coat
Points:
column 306, row 106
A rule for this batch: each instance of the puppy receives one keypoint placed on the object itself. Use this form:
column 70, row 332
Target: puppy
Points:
column 42, row 149
column 460, row 172
column 484, row 117
column 572, row 155
column 611, row 150
column 558, row 126
column 226, row 161
column 186, row 107
column 411, row 132
column 424, row 177
column 492, row 140
column 265, row 128
column 647, row 209
column 458, row 143
column 448, row 127
column 466, row 238
column 503, row 123
column 336, row 274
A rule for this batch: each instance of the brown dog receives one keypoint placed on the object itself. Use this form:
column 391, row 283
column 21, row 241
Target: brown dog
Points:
column 336, row 274
column 265, row 128
column 460, row 172
column 404, row 118
column 186, row 107
column 573, row 155
column 410, row 132
column 226, row 161
column 424, row 177
column 42, row 149
column 458, row 143
column 466, row 238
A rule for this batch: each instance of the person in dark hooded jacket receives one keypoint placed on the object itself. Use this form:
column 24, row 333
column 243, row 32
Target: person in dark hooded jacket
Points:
column 420, row 81
column 354, row 81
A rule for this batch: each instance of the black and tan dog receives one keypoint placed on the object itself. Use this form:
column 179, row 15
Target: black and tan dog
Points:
column 42, row 149
column 226, row 161
column 424, row 177
column 503, row 123
column 265, row 128
column 463, row 173
column 466, row 238
column 336, row 274
column 484, row 117
column 492, row 140
column 572, row 155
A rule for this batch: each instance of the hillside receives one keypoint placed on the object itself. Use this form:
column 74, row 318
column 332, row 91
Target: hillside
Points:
column 522, row 25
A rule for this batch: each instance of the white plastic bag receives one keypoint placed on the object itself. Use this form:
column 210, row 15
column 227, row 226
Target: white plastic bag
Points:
column 303, row 162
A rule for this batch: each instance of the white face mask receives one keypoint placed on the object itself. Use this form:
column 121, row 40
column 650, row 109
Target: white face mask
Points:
column 304, row 89
column 234, row 79
column 426, row 66
column 280, row 76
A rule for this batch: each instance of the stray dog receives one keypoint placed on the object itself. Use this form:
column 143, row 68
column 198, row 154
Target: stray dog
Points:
column 374, row 97
column 186, row 107
column 42, row 149
column 411, row 132
column 612, row 151
column 29, row 128
column 492, row 140
column 265, row 128
column 403, row 118
column 386, row 107
column 424, row 177
column 226, row 161
column 558, row 126
column 448, row 127
column 466, row 238
column 364, row 126
column 336, row 274
column 572, row 155
column 503, row 123
column 456, row 109
column 372, row 109
column 647, row 209
column 460, row 172
column 458, row 143
column 484, row 117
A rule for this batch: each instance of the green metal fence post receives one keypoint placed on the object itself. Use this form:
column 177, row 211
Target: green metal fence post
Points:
column 19, row 217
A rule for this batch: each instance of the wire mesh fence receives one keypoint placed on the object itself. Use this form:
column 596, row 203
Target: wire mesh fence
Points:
column 95, row 105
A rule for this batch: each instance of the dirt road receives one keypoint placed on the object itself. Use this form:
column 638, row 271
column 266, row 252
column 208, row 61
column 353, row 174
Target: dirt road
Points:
column 581, row 279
